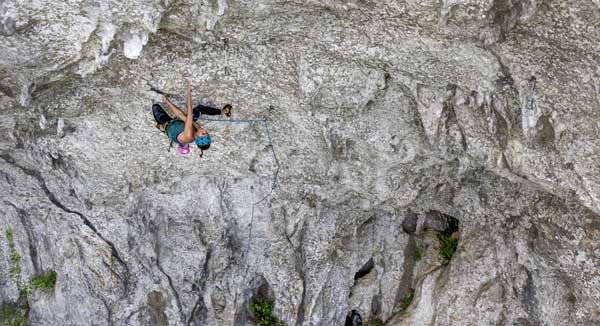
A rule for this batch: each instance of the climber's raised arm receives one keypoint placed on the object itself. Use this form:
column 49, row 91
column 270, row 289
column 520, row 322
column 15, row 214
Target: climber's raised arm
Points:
column 176, row 110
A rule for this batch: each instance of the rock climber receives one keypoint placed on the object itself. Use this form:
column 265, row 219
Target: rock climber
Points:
column 185, row 129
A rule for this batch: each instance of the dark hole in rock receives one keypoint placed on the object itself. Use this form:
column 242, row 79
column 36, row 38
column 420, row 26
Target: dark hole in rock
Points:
column 376, row 305
column 545, row 131
column 264, row 292
column 409, row 225
column 449, row 239
column 353, row 318
column 435, row 220
column 261, row 305
column 365, row 269
column 452, row 226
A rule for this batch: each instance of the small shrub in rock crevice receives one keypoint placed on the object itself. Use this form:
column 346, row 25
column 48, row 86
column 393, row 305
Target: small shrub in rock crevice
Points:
column 407, row 300
column 15, row 258
column 44, row 282
column 375, row 322
column 449, row 240
column 12, row 315
column 447, row 247
column 419, row 251
column 263, row 314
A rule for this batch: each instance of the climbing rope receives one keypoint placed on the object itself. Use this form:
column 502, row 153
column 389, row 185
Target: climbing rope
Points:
column 247, row 293
column 265, row 122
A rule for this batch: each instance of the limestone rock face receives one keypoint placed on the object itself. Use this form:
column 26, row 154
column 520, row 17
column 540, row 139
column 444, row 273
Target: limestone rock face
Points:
column 394, row 130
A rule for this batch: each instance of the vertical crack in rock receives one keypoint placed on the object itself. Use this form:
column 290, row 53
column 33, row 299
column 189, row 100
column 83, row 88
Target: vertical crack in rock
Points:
column 157, row 250
column 501, row 129
column 199, row 306
column 52, row 198
column 505, row 14
column 299, row 262
column 450, row 134
column 414, row 107
column 170, row 281
column 512, row 95
column 529, row 299
column 407, row 270
column 109, row 312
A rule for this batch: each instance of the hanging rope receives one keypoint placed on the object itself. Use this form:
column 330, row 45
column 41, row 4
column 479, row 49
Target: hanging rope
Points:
column 265, row 122
column 248, row 292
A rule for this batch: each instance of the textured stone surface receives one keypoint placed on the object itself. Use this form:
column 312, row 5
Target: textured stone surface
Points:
column 380, row 113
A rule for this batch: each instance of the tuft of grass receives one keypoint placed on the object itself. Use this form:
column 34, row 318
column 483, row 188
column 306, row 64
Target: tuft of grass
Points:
column 447, row 247
column 448, row 243
column 12, row 315
column 44, row 282
column 15, row 258
column 407, row 300
column 376, row 322
column 263, row 314
column 419, row 252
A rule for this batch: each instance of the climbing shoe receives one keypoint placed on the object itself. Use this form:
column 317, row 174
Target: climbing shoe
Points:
column 160, row 115
column 353, row 319
column 183, row 149
column 227, row 109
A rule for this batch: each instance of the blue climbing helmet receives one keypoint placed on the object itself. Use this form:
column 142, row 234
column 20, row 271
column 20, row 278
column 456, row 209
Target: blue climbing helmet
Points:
column 203, row 140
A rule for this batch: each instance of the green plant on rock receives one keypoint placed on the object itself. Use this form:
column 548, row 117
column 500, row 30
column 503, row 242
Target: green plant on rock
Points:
column 448, row 240
column 263, row 313
column 12, row 315
column 376, row 322
column 407, row 300
column 15, row 258
column 419, row 251
column 44, row 282
column 447, row 247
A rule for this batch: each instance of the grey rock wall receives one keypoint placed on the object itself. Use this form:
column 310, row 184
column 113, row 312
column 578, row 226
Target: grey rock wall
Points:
column 386, row 118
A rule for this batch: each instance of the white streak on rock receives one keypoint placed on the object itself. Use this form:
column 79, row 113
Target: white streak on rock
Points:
column 43, row 121
column 134, row 44
column 60, row 128
column 106, row 32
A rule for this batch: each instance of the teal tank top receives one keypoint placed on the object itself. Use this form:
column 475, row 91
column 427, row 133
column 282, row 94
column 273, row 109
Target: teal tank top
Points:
column 174, row 129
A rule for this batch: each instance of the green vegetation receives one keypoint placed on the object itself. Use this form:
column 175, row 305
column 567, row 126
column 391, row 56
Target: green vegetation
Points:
column 375, row 322
column 407, row 300
column 447, row 247
column 448, row 242
column 12, row 315
column 419, row 252
column 44, row 282
column 15, row 258
column 263, row 313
